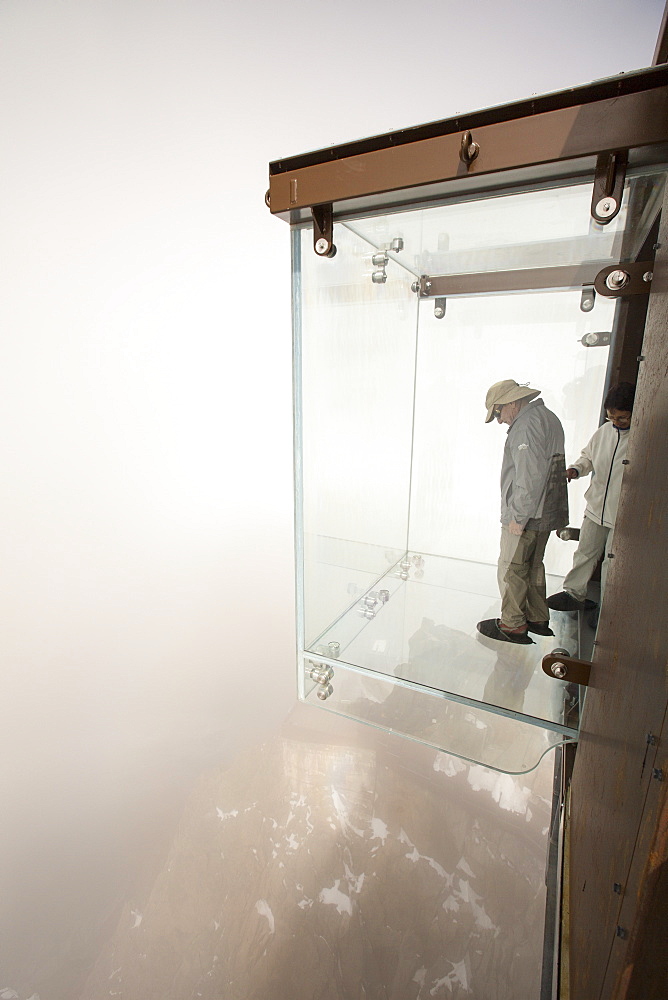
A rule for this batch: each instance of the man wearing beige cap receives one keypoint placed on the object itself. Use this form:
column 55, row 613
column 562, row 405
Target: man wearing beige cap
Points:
column 534, row 502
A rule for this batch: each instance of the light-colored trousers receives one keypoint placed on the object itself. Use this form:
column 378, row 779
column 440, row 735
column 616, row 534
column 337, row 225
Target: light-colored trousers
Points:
column 521, row 577
column 595, row 540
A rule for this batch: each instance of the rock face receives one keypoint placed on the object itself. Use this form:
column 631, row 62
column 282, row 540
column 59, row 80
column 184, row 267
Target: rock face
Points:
column 313, row 869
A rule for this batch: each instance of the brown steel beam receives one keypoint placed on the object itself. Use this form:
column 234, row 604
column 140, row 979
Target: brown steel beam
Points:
column 625, row 122
column 516, row 280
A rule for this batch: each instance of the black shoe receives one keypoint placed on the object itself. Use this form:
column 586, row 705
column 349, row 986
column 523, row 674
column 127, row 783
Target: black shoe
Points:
column 540, row 628
column 563, row 601
column 490, row 628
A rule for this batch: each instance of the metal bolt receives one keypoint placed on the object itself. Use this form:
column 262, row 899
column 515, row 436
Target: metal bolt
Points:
column 611, row 555
column 641, row 357
column 439, row 312
column 587, row 305
column 657, row 773
column 384, row 596
column 617, row 887
column 397, row 244
column 379, row 259
column 321, row 246
column 334, row 649
column 324, row 692
column 657, row 246
column 625, row 461
column 622, row 933
column 606, row 207
column 415, row 287
column 427, row 286
column 651, row 740
column 647, row 276
column 379, row 277
column 559, row 670
column 617, row 279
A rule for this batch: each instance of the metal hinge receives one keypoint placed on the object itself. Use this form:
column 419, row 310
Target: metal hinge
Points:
column 608, row 190
column 323, row 230
column 616, row 280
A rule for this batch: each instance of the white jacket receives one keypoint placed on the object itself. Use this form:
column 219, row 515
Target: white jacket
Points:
column 603, row 457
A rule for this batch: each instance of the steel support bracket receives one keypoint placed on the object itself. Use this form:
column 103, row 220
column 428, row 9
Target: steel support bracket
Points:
column 323, row 230
column 565, row 668
column 617, row 280
column 606, row 199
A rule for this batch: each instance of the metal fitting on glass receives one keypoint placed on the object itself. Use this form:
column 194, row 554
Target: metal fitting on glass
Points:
column 397, row 244
column 322, row 675
column 439, row 307
column 559, row 670
column 383, row 596
column 379, row 259
column 379, row 277
column 588, row 298
column 596, row 339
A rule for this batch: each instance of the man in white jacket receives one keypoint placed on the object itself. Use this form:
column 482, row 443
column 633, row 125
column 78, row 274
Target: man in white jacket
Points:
column 604, row 457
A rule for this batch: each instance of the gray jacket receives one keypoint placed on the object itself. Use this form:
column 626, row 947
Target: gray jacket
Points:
column 533, row 473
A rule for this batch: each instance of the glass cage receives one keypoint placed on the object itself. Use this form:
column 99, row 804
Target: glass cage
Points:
column 397, row 338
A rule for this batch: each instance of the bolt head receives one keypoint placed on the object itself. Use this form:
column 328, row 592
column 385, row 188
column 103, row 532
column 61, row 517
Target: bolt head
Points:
column 647, row 276
column 558, row 670
column 617, row 280
column 321, row 246
column 606, row 207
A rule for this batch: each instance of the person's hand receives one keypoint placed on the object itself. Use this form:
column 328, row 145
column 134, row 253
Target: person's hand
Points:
column 572, row 474
column 514, row 528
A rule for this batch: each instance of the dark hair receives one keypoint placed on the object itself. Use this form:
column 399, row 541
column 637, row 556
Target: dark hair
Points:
column 620, row 397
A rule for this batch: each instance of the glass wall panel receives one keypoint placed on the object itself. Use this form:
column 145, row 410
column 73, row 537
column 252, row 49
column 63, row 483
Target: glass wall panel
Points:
column 356, row 373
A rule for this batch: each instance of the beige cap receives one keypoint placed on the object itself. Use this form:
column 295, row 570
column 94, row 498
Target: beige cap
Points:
column 506, row 392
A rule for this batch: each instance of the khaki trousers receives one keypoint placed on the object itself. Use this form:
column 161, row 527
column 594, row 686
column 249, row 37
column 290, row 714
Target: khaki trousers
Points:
column 595, row 539
column 521, row 577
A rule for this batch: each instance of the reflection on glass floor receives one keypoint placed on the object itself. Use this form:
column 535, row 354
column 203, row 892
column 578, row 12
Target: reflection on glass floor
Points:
column 417, row 626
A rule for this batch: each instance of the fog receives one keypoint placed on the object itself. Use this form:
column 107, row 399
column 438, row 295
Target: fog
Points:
column 146, row 550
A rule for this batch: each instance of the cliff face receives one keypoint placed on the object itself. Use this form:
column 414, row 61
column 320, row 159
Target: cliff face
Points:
column 314, row 871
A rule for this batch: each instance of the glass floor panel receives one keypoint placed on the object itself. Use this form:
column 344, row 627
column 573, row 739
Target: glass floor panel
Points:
column 421, row 633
